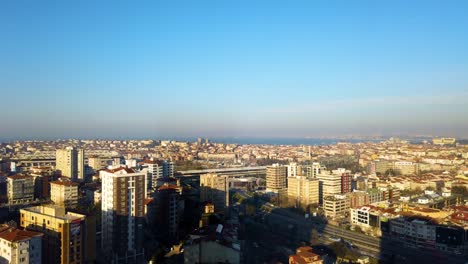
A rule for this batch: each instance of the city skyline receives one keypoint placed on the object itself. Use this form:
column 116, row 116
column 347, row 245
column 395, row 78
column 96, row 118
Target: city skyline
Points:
column 210, row 69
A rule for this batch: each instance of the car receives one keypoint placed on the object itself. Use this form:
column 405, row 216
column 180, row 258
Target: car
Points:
column 336, row 239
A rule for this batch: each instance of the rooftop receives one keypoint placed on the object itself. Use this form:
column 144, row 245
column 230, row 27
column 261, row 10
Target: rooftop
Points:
column 14, row 234
column 55, row 211
column 65, row 183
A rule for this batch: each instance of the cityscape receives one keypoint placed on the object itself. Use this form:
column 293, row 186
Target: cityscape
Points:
column 241, row 132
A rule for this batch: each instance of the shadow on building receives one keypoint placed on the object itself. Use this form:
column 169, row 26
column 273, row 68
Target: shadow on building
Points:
column 417, row 239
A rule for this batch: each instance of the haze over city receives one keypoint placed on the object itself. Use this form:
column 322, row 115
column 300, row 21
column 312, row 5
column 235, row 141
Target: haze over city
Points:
column 209, row 68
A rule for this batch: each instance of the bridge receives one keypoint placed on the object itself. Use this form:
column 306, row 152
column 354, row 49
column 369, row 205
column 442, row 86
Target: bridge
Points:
column 259, row 171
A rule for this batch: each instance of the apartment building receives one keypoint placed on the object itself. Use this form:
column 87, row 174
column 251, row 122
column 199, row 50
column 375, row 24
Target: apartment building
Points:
column 303, row 190
column 63, row 232
column 64, row 193
column 20, row 189
column 276, row 178
column 20, row 246
column 70, row 163
column 215, row 188
column 122, row 213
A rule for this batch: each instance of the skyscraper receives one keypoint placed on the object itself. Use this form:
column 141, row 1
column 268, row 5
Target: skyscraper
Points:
column 276, row 178
column 70, row 163
column 215, row 188
column 123, row 196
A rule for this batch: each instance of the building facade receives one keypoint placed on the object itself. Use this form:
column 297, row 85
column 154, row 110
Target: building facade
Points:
column 303, row 191
column 20, row 246
column 122, row 214
column 64, row 193
column 215, row 188
column 70, row 163
column 20, row 189
column 276, row 178
column 63, row 232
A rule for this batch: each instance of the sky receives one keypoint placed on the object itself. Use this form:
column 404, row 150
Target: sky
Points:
column 102, row 69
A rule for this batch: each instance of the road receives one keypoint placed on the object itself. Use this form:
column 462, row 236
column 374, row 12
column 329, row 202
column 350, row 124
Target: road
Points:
column 386, row 248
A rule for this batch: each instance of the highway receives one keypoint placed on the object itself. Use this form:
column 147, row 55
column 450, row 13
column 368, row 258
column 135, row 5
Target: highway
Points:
column 386, row 248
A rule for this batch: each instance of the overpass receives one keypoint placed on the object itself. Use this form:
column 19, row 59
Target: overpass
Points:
column 259, row 171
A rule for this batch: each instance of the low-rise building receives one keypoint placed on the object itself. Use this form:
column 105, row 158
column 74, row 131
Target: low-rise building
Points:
column 305, row 255
column 336, row 206
column 20, row 246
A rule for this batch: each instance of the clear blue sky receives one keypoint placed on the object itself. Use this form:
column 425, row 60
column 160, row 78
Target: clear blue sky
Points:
column 233, row 68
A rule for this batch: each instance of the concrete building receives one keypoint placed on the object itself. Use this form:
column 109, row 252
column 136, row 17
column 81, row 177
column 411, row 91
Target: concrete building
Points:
column 20, row 189
column 122, row 208
column 313, row 170
column 294, row 170
column 42, row 178
column 20, row 246
column 336, row 206
column 276, row 178
column 64, row 193
column 169, row 208
column 158, row 171
column 334, row 182
column 63, row 232
column 406, row 167
column 70, row 163
column 95, row 163
column 215, row 188
column 443, row 141
column 303, row 191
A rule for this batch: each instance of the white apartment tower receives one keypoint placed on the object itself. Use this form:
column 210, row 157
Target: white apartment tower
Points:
column 70, row 163
column 123, row 196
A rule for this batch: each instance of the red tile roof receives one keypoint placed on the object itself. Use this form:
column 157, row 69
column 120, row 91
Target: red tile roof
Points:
column 14, row 234
column 119, row 169
column 18, row 177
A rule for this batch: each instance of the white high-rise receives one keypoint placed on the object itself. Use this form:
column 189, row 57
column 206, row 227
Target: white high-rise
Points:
column 123, row 195
column 70, row 163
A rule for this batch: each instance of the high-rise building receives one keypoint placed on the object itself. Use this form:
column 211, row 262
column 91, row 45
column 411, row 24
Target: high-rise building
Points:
column 168, row 168
column 334, row 182
column 314, row 169
column 20, row 246
column 63, row 232
column 276, row 178
column 64, row 193
column 294, row 169
column 215, row 188
column 123, row 197
column 95, row 163
column 70, row 163
column 303, row 191
column 169, row 208
column 158, row 171
column 20, row 189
